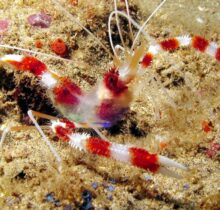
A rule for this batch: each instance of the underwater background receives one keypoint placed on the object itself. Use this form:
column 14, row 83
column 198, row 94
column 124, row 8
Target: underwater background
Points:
column 191, row 131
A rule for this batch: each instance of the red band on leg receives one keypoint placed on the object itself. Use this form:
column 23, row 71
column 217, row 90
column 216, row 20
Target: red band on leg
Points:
column 199, row 43
column 99, row 147
column 143, row 159
column 169, row 44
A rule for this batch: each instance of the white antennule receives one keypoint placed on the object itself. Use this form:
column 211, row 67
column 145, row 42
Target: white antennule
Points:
column 119, row 47
column 145, row 23
column 118, row 24
column 80, row 24
column 129, row 21
column 147, row 36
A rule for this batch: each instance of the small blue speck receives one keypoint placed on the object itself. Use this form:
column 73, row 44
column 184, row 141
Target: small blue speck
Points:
column 68, row 207
column 95, row 185
column 147, row 178
column 87, row 195
column 87, row 198
column 50, row 197
column 109, row 197
column 112, row 180
column 186, row 186
column 110, row 188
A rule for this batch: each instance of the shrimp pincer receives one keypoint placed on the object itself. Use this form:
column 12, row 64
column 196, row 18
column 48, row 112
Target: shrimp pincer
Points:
column 131, row 155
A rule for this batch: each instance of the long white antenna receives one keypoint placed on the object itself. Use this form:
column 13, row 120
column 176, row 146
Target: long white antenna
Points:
column 45, row 139
column 35, row 52
column 5, row 131
column 145, row 23
column 80, row 24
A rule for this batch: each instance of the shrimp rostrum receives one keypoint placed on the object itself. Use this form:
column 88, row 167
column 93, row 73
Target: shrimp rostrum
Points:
column 107, row 102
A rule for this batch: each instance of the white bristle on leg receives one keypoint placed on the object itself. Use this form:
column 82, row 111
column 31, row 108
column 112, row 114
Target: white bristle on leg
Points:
column 184, row 40
column 78, row 140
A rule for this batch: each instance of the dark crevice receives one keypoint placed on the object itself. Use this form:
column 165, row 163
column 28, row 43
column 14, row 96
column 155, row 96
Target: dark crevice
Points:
column 129, row 125
column 7, row 81
column 136, row 131
column 27, row 93
column 30, row 95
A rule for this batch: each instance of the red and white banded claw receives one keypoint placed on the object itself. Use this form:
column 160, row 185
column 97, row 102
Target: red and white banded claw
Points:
column 131, row 155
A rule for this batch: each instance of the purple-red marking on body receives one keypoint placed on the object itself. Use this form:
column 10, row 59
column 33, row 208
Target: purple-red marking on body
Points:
column 110, row 111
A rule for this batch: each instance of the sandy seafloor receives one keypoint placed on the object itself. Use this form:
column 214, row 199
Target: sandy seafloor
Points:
column 28, row 171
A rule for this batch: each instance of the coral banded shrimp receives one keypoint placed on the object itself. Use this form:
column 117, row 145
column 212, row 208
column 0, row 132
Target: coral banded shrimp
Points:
column 107, row 102
column 67, row 95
